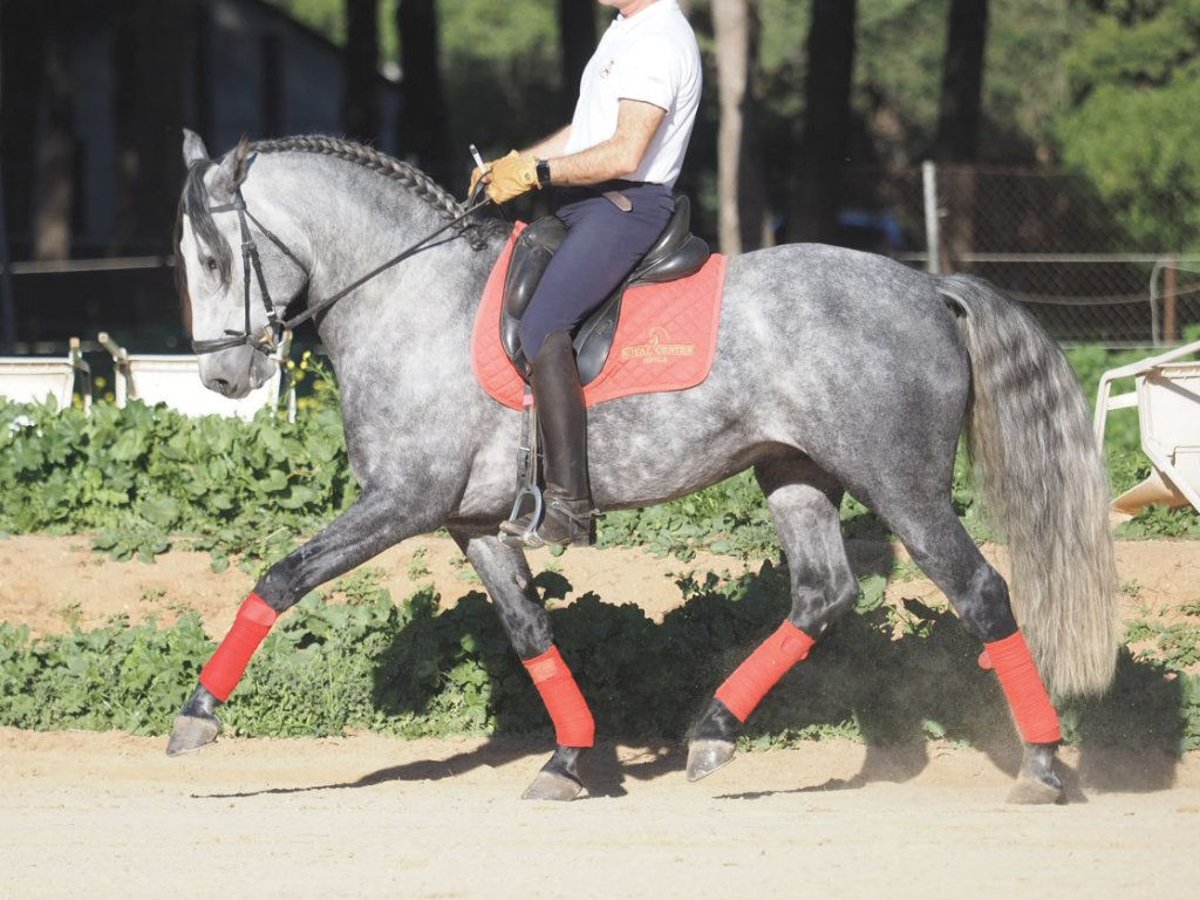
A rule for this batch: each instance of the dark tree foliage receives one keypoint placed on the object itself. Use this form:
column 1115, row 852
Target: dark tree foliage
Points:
column 361, row 103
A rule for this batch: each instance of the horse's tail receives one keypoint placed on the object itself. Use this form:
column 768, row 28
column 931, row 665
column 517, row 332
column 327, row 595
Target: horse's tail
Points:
column 1044, row 484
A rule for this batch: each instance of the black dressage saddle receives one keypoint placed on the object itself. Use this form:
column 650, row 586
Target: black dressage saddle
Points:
column 676, row 253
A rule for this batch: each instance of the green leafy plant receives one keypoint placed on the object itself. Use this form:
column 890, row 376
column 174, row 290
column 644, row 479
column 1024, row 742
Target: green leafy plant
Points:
column 416, row 668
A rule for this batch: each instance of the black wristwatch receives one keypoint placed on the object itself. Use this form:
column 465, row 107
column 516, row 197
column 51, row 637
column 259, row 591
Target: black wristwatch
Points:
column 543, row 173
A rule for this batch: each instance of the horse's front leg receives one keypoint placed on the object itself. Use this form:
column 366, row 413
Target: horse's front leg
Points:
column 366, row 529
column 505, row 573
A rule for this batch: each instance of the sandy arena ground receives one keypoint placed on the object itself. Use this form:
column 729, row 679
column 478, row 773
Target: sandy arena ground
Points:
column 108, row 815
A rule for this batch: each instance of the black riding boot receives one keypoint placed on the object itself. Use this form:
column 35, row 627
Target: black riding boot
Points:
column 558, row 398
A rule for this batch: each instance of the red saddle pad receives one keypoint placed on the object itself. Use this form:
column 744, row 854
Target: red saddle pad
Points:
column 665, row 339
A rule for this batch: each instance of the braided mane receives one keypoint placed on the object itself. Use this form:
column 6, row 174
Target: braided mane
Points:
column 408, row 175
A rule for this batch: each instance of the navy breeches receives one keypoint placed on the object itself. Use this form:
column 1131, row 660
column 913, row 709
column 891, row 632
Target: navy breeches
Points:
column 602, row 246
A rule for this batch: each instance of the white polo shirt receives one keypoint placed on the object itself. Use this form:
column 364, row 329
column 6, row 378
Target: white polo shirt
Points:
column 650, row 56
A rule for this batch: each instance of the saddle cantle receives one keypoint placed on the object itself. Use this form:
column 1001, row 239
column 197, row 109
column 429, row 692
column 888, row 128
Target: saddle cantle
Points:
column 675, row 254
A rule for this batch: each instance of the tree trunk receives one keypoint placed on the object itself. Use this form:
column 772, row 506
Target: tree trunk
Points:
column 8, row 311
column 152, row 48
column 577, row 38
column 360, row 103
column 54, row 163
column 826, row 136
column 22, row 40
column 740, row 188
column 962, row 82
column 957, row 145
column 424, row 123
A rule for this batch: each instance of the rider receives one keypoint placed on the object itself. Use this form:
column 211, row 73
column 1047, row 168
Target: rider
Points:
column 615, row 164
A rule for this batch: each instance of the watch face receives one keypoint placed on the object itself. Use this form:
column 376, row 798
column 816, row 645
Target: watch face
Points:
column 543, row 172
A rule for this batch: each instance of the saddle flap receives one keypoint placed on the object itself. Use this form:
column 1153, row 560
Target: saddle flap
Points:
column 535, row 247
column 676, row 253
column 530, row 257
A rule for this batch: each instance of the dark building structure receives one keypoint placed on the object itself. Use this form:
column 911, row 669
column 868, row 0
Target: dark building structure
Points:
column 93, row 97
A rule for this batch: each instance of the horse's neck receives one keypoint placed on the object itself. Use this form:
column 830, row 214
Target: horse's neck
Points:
column 353, row 221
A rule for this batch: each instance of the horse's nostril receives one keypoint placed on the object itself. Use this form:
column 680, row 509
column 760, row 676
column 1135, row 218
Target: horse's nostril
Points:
column 221, row 386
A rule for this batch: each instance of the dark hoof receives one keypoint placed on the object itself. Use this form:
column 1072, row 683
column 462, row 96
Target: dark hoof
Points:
column 191, row 733
column 1032, row 792
column 196, row 724
column 552, row 786
column 559, row 778
column 1037, row 783
column 712, row 741
column 705, row 756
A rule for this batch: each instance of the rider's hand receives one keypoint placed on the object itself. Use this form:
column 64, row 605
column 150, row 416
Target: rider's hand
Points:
column 511, row 176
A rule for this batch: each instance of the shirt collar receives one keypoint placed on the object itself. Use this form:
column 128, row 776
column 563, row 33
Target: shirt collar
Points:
column 653, row 9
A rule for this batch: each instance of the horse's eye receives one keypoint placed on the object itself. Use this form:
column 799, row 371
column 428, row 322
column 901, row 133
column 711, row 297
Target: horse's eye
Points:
column 210, row 263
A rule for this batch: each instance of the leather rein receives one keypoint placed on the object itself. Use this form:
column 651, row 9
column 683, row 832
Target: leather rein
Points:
column 268, row 339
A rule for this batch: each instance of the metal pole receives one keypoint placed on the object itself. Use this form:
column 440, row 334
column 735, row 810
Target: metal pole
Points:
column 1170, row 286
column 933, row 239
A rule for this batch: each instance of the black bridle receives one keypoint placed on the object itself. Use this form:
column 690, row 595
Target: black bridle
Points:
column 268, row 339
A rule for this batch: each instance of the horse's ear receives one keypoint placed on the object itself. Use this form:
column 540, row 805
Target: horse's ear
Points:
column 193, row 147
column 230, row 173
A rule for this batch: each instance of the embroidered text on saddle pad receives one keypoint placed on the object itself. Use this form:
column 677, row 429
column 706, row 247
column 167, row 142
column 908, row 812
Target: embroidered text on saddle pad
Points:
column 665, row 339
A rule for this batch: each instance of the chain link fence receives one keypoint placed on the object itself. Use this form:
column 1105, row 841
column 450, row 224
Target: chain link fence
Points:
column 1042, row 236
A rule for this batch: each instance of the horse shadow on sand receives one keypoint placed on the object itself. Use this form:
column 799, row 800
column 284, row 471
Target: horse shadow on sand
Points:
column 897, row 677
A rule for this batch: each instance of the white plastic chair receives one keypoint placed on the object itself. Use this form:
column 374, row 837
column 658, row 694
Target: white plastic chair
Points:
column 25, row 379
column 174, row 380
column 1167, row 397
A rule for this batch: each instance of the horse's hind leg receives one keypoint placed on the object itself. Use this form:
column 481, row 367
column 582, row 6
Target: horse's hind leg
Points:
column 366, row 529
column 505, row 573
column 804, row 502
column 942, row 548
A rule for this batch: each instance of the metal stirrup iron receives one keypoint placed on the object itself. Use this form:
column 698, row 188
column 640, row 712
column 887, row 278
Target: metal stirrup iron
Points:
column 528, row 491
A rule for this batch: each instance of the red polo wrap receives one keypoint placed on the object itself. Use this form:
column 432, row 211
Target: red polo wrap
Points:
column 224, row 671
column 745, row 688
column 1036, row 719
column 573, row 723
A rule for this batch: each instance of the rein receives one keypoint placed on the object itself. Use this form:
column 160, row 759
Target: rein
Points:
column 268, row 340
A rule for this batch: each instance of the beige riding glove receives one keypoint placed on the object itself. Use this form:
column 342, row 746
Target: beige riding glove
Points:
column 510, row 176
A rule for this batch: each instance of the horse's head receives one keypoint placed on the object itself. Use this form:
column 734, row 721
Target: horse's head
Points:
column 233, row 284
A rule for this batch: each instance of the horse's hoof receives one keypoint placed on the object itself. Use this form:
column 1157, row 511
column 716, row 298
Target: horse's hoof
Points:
column 1030, row 792
column 1037, row 784
column 191, row 733
column 706, row 756
column 196, row 724
column 559, row 777
column 552, row 786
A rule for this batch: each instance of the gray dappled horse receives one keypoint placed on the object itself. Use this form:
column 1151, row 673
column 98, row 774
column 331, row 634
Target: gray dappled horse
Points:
column 835, row 371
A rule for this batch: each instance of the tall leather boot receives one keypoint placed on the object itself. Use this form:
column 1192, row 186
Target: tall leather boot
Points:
column 567, row 499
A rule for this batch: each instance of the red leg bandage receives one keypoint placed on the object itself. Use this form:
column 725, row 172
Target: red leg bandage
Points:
column 224, row 670
column 745, row 688
column 1036, row 719
column 573, row 723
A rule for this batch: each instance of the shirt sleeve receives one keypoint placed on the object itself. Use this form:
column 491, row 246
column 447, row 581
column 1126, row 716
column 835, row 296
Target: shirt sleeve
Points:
column 648, row 73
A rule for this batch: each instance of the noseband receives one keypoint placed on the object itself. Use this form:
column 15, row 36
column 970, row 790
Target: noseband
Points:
column 268, row 339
